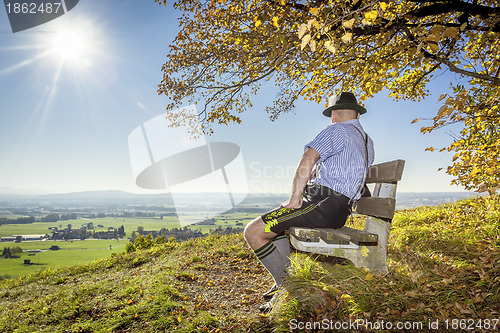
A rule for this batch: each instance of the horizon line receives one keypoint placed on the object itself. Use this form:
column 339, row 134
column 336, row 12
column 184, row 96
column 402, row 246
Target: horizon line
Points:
column 26, row 192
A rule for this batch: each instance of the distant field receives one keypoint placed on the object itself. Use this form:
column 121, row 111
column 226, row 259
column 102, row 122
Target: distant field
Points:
column 11, row 216
column 71, row 253
column 130, row 224
column 7, row 230
column 79, row 252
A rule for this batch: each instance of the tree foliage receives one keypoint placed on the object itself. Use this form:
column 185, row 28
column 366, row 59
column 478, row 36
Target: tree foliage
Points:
column 310, row 49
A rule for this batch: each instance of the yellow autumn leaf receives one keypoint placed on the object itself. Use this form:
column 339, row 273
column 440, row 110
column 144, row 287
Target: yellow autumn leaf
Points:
column 316, row 24
column 275, row 22
column 383, row 5
column 434, row 46
column 302, row 30
column 442, row 110
column 347, row 37
column 305, row 41
column 330, row 47
column 371, row 15
column 179, row 319
column 312, row 45
column 258, row 23
column 314, row 11
column 451, row 32
column 344, row 68
column 345, row 297
column 348, row 24
column 369, row 277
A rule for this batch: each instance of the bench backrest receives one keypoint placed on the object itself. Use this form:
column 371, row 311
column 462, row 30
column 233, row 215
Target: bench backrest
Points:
column 382, row 203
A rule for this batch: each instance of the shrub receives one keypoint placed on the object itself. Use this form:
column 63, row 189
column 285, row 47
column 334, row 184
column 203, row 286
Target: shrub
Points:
column 130, row 247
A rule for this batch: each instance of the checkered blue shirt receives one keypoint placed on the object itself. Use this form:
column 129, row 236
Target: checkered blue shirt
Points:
column 342, row 163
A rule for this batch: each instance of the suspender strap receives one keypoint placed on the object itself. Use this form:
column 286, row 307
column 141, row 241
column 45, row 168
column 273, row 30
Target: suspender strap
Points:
column 365, row 137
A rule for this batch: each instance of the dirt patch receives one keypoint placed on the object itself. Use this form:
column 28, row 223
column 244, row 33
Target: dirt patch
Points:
column 226, row 285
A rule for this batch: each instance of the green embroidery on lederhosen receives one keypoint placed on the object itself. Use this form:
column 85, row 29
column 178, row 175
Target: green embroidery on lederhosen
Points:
column 272, row 220
column 280, row 211
column 270, row 224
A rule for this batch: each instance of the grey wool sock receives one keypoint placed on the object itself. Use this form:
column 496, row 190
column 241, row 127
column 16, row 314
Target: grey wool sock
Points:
column 283, row 245
column 273, row 261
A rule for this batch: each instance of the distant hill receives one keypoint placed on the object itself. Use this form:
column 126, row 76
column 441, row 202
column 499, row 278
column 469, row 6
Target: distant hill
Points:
column 404, row 200
column 6, row 190
column 411, row 200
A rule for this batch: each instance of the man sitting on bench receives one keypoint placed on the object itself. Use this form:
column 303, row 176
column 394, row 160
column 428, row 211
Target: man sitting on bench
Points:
column 341, row 155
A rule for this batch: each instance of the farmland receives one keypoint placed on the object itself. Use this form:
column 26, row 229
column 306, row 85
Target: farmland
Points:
column 74, row 252
column 130, row 224
column 70, row 253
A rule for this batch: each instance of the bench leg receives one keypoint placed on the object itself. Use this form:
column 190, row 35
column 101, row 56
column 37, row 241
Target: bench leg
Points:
column 377, row 257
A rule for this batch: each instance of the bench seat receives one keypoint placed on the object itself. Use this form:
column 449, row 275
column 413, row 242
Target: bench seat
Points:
column 335, row 237
column 368, row 247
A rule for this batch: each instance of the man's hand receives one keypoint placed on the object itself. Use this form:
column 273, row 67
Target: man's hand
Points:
column 292, row 203
column 302, row 174
column 313, row 175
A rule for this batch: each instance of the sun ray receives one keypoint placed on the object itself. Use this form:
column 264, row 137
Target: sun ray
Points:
column 24, row 63
column 38, row 120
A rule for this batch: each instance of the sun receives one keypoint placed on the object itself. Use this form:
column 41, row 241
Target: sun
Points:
column 72, row 45
column 68, row 44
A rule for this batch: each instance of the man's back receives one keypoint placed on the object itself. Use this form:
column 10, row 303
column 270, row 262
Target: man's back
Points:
column 343, row 149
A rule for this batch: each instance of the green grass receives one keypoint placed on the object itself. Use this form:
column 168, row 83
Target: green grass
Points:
column 143, row 291
column 71, row 253
column 36, row 228
column 443, row 264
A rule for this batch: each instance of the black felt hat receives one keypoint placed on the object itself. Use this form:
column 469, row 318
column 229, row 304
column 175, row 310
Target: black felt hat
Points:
column 344, row 100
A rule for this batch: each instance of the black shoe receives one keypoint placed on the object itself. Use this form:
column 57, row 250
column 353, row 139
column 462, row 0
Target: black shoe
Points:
column 269, row 294
column 266, row 308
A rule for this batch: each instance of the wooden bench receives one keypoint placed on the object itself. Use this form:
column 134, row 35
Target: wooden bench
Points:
column 367, row 248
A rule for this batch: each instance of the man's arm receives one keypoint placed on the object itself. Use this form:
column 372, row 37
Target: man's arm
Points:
column 302, row 175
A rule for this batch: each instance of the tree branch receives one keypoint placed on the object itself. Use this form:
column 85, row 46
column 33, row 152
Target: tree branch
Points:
column 455, row 69
column 451, row 66
column 441, row 7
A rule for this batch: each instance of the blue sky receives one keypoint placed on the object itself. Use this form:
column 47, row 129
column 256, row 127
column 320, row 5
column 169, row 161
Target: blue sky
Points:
column 65, row 127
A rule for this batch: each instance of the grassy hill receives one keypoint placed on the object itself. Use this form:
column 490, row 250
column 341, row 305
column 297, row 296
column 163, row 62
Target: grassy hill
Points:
column 444, row 269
